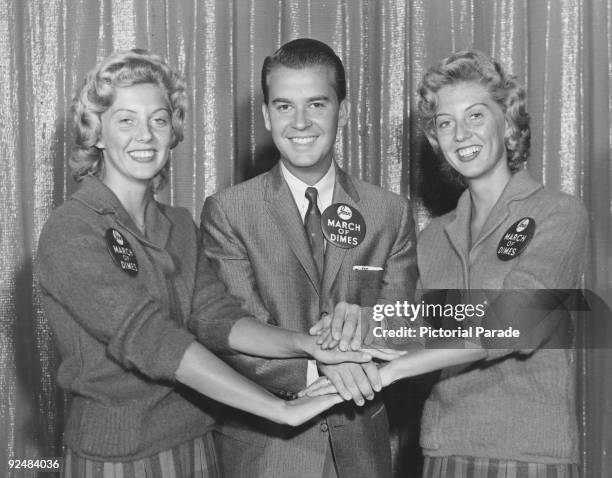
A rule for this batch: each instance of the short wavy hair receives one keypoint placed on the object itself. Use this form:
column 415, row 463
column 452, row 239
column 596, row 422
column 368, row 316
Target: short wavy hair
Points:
column 96, row 95
column 303, row 53
column 475, row 66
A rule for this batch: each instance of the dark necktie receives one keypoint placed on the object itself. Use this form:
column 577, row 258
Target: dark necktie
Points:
column 312, row 223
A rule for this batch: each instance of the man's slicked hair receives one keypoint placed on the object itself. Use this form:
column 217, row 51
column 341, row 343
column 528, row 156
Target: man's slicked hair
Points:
column 303, row 53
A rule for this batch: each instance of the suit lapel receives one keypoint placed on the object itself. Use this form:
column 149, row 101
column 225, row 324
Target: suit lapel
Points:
column 284, row 212
column 344, row 192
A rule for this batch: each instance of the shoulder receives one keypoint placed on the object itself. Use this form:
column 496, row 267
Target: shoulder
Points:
column 69, row 230
column 551, row 206
column 67, row 221
column 248, row 190
column 379, row 202
column 370, row 192
column 436, row 226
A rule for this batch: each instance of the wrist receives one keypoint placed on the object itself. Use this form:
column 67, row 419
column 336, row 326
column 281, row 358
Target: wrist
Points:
column 389, row 374
column 304, row 344
column 279, row 411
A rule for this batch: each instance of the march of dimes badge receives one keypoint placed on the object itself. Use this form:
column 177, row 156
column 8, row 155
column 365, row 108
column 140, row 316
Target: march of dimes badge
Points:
column 343, row 225
column 516, row 238
column 120, row 250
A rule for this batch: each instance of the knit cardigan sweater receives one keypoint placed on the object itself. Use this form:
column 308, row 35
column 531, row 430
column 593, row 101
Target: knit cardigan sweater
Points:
column 120, row 336
column 511, row 406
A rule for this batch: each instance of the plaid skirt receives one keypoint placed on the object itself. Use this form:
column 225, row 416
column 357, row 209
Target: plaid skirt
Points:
column 474, row 467
column 193, row 459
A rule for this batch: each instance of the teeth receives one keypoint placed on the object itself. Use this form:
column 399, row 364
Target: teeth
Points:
column 469, row 151
column 305, row 140
column 142, row 154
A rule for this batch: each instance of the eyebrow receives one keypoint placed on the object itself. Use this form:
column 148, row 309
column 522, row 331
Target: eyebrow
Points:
column 163, row 108
column 308, row 100
column 468, row 108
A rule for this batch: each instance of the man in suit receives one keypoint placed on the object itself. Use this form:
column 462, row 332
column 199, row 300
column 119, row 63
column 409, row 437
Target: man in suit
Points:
column 264, row 237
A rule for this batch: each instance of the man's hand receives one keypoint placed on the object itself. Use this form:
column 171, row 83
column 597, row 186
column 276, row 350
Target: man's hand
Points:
column 354, row 381
column 342, row 329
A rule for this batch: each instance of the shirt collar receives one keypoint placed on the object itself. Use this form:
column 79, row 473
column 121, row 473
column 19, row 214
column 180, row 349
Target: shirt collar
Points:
column 325, row 188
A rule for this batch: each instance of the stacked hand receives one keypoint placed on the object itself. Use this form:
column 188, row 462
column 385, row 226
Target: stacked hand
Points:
column 339, row 339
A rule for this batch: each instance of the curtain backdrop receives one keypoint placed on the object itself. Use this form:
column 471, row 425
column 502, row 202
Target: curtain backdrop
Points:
column 560, row 49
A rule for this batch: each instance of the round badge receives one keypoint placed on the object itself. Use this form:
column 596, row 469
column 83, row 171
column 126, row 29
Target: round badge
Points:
column 343, row 226
column 121, row 252
column 516, row 238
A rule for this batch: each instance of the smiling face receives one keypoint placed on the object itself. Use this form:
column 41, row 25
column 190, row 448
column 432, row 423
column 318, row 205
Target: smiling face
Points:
column 136, row 136
column 470, row 128
column 303, row 115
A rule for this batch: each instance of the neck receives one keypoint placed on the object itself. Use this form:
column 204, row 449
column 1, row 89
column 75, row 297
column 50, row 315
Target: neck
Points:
column 311, row 175
column 486, row 191
column 133, row 198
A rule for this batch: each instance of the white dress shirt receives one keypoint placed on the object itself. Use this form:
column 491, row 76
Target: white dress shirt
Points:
column 325, row 190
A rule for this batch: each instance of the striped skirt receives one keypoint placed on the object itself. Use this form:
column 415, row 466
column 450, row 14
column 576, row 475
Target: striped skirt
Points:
column 195, row 458
column 474, row 467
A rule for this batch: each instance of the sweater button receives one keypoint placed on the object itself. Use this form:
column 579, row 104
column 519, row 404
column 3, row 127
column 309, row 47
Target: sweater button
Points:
column 324, row 428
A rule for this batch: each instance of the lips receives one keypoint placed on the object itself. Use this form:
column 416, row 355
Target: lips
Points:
column 142, row 155
column 468, row 153
column 303, row 140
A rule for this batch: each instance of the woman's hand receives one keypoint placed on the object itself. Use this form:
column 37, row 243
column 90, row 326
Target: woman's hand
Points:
column 324, row 386
column 321, row 386
column 335, row 356
column 296, row 412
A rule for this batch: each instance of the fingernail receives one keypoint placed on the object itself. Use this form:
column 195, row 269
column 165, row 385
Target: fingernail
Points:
column 370, row 397
column 360, row 403
column 367, row 357
column 343, row 347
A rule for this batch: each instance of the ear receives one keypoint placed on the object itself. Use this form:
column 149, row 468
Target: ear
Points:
column 344, row 111
column 266, row 115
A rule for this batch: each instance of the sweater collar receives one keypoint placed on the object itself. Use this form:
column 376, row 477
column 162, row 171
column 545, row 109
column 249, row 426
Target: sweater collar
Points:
column 98, row 197
column 520, row 186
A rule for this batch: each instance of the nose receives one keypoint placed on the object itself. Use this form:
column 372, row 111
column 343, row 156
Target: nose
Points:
column 300, row 119
column 143, row 135
column 462, row 131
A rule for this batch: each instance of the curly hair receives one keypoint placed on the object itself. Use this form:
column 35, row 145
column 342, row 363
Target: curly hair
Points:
column 96, row 95
column 474, row 66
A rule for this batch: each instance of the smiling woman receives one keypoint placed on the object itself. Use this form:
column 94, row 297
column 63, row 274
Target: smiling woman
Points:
column 514, row 412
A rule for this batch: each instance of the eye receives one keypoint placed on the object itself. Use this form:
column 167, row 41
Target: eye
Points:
column 283, row 107
column 317, row 105
column 443, row 124
column 125, row 122
column 160, row 121
column 476, row 116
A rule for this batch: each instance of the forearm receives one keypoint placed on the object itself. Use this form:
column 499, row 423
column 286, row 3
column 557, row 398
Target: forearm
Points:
column 252, row 337
column 430, row 359
column 207, row 374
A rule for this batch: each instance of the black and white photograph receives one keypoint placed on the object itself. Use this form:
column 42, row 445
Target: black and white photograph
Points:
column 306, row 238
